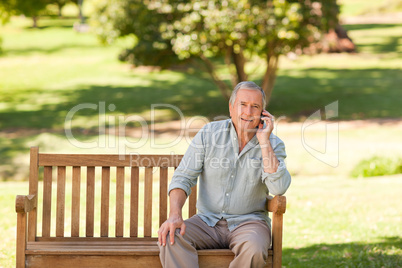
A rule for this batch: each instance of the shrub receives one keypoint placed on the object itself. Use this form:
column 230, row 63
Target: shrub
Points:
column 377, row 166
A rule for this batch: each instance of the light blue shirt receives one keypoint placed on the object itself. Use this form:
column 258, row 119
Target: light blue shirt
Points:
column 232, row 186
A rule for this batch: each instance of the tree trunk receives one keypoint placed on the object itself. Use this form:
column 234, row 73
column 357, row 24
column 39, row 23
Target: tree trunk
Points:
column 81, row 15
column 35, row 22
column 269, row 78
column 240, row 62
column 223, row 88
column 60, row 8
column 236, row 64
column 231, row 68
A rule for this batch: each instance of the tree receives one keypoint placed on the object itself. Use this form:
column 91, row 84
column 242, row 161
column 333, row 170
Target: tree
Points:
column 4, row 17
column 25, row 7
column 60, row 4
column 5, row 11
column 237, row 30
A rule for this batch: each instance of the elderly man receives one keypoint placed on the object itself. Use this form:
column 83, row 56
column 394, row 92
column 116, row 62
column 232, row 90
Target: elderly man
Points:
column 237, row 162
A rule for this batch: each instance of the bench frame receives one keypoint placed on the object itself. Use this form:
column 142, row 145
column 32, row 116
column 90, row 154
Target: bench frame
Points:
column 107, row 250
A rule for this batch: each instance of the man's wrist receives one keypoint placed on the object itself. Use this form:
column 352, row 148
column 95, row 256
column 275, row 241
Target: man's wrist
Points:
column 175, row 213
column 265, row 144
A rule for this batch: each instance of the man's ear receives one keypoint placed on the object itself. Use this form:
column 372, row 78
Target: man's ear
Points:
column 230, row 109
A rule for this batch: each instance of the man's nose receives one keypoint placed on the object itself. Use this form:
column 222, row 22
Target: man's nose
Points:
column 247, row 110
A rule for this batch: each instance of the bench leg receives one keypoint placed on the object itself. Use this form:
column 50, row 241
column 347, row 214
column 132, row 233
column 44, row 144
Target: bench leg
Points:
column 277, row 226
column 21, row 239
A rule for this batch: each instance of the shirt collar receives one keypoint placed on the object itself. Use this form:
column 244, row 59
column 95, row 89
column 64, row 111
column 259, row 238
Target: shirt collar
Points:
column 233, row 133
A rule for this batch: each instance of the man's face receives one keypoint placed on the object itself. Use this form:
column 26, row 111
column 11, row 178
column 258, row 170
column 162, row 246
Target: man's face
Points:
column 246, row 110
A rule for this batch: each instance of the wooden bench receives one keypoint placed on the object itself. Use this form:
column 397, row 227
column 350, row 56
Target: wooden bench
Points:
column 93, row 210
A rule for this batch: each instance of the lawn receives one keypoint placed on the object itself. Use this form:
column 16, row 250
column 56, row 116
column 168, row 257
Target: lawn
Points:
column 331, row 221
column 46, row 72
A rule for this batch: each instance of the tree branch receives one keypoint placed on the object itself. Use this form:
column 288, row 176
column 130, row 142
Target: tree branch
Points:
column 270, row 75
column 224, row 89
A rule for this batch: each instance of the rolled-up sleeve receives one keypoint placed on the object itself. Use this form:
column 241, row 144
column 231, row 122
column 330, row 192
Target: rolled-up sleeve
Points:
column 191, row 165
column 279, row 181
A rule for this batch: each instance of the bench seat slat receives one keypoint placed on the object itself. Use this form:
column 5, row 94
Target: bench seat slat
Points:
column 108, row 248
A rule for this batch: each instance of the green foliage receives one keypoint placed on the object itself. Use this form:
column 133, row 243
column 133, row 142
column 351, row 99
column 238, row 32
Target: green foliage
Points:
column 211, row 27
column 377, row 166
column 172, row 30
column 4, row 11
column 114, row 19
column 28, row 8
column 256, row 27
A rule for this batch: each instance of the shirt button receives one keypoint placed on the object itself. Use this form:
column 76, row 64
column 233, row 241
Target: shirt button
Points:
column 223, row 211
column 231, row 176
column 227, row 194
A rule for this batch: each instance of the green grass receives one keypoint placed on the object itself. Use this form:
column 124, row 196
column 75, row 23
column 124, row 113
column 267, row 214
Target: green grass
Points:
column 330, row 221
column 46, row 72
column 377, row 166
column 362, row 7
column 337, row 222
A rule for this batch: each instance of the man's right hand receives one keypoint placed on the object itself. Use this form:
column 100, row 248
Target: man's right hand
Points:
column 169, row 226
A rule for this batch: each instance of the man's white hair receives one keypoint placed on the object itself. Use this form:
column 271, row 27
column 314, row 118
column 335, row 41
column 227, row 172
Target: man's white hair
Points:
column 247, row 85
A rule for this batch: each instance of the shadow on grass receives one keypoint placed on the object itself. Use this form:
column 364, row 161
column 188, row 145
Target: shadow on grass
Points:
column 54, row 22
column 191, row 96
column 362, row 94
column 369, row 93
column 48, row 50
column 386, row 253
column 353, row 27
column 387, row 44
column 390, row 44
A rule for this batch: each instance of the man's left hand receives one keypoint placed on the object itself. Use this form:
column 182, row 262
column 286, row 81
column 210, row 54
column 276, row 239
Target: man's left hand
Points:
column 264, row 133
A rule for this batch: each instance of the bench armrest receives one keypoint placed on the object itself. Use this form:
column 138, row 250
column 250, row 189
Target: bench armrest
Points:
column 276, row 204
column 25, row 203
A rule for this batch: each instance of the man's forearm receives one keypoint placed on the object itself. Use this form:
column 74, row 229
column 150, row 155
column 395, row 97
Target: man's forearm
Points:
column 177, row 199
column 270, row 162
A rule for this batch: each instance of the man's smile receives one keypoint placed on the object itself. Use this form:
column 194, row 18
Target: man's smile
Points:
column 247, row 120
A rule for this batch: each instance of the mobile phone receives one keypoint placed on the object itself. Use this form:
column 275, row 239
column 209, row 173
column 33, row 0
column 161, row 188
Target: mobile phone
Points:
column 262, row 116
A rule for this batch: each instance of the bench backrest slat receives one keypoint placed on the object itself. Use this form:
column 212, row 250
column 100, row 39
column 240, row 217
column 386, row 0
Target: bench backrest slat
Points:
column 148, row 202
column 134, row 192
column 91, row 192
column 33, row 190
column 47, row 201
column 115, row 160
column 105, row 195
column 119, row 202
column 61, row 190
column 75, row 203
column 163, row 188
column 90, row 202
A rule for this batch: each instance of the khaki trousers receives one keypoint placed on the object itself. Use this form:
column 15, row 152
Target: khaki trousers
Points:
column 249, row 242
